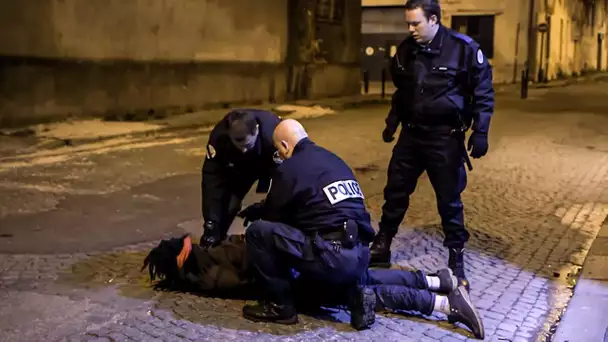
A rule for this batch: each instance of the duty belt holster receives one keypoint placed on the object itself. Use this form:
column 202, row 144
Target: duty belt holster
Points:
column 350, row 236
column 346, row 237
column 460, row 133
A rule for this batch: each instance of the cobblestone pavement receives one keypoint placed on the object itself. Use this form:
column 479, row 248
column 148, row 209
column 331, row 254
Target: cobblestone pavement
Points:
column 533, row 206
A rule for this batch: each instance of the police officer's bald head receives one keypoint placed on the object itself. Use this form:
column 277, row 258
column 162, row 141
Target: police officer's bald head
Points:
column 286, row 136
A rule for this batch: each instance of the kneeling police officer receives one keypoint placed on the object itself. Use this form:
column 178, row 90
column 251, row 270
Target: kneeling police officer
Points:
column 313, row 220
column 240, row 152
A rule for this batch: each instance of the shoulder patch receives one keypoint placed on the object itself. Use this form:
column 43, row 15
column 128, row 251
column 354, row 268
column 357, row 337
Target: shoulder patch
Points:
column 342, row 190
column 480, row 57
column 462, row 37
column 210, row 152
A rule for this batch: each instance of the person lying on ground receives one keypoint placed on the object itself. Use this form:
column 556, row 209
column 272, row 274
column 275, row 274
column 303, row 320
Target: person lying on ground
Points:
column 223, row 271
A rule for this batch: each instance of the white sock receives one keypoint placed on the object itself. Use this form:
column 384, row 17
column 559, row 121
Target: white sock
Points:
column 433, row 283
column 442, row 304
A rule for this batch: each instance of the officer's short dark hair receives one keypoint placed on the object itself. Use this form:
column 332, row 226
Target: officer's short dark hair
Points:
column 429, row 7
column 245, row 117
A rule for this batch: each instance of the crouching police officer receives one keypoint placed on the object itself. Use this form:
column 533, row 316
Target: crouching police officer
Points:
column 239, row 153
column 444, row 83
column 313, row 221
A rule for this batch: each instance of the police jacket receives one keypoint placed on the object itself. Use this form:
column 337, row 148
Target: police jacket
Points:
column 448, row 82
column 315, row 191
column 226, row 170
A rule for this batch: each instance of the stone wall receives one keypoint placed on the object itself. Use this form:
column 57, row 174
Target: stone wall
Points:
column 572, row 39
column 63, row 58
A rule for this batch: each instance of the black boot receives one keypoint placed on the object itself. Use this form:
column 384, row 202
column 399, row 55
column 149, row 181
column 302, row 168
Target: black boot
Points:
column 447, row 281
column 211, row 235
column 456, row 263
column 381, row 250
column 363, row 308
column 271, row 312
column 463, row 311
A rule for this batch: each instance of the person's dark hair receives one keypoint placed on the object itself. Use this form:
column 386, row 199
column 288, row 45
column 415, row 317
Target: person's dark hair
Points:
column 162, row 263
column 429, row 7
column 245, row 117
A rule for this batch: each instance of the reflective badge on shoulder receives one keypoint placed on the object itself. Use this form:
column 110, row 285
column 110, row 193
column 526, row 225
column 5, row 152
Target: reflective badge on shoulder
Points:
column 210, row 152
column 479, row 56
column 342, row 190
column 277, row 157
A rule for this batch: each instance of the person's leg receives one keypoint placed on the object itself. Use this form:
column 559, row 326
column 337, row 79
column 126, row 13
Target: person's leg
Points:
column 272, row 249
column 442, row 281
column 413, row 279
column 404, row 169
column 396, row 297
column 447, row 174
column 457, row 305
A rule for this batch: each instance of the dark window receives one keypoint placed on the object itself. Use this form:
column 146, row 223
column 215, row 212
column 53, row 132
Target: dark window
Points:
column 478, row 27
column 331, row 11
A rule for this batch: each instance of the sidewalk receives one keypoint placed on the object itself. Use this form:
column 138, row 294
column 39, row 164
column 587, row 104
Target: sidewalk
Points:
column 375, row 87
column 15, row 143
column 586, row 317
column 20, row 141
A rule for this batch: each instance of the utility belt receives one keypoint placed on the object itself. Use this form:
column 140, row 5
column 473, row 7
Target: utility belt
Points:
column 448, row 129
column 456, row 130
column 345, row 236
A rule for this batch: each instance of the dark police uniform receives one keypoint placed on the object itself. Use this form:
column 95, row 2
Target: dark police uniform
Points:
column 314, row 220
column 228, row 173
column 442, row 90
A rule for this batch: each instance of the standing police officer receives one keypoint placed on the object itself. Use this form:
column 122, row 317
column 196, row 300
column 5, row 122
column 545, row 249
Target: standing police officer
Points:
column 444, row 84
column 313, row 220
column 240, row 152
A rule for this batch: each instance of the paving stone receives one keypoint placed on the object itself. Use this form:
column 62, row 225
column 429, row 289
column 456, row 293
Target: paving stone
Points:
column 517, row 241
column 505, row 334
column 508, row 327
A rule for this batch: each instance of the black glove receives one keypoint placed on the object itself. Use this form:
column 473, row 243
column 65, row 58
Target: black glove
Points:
column 478, row 143
column 388, row 135
column 252, row 213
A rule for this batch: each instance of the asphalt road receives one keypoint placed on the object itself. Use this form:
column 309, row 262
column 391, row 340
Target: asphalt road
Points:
column 74, row 225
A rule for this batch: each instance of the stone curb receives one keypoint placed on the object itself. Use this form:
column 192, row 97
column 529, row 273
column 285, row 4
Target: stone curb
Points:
column 585, row 316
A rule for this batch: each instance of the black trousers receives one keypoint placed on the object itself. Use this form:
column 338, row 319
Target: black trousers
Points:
column 441, row 154
column 275, row 250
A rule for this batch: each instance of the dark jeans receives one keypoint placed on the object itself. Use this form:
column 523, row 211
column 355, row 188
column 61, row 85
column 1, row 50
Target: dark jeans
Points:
column 400, row 290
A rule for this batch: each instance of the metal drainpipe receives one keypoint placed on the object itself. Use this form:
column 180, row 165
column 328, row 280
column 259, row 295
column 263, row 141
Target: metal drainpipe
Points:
column 531, row 31
column 548, row 48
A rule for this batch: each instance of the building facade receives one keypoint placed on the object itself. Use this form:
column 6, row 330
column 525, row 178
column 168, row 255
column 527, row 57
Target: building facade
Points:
column 554, row 38
column 63, row 58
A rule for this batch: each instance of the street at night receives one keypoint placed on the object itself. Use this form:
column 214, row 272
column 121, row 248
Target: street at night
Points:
column 77, row 222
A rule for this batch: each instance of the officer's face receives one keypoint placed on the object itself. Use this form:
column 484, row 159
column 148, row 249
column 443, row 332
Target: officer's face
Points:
column 421, row 28
column 242, row 138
